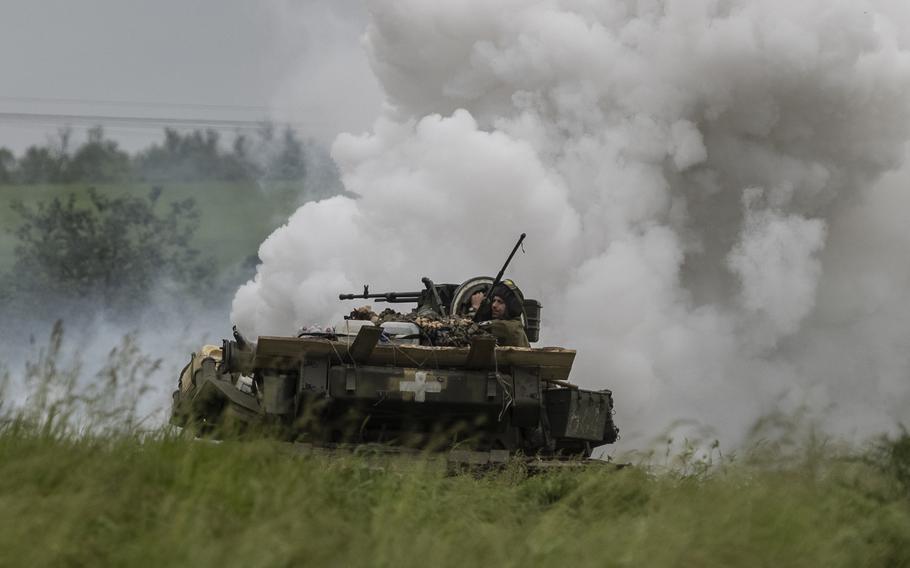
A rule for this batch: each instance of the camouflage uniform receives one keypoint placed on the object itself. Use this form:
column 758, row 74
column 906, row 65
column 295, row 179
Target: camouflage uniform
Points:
column 508, row 332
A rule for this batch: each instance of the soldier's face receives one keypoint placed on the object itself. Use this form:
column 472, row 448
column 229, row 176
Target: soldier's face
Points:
column 498, row 307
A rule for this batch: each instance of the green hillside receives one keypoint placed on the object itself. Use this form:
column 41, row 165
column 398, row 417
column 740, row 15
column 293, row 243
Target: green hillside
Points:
column 163, row 500
column 236, row 216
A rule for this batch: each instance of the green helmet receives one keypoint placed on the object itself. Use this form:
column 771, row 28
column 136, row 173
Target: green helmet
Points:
column 512, row 296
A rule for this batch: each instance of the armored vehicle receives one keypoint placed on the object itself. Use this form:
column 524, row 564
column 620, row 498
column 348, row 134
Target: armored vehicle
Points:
column 387, row 380
column 434, row 378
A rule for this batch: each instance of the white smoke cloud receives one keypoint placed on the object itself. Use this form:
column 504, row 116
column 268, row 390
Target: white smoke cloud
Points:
column 776, row 262
column 699, row 181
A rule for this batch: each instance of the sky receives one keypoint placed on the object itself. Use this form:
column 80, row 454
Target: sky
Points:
column 292, row 62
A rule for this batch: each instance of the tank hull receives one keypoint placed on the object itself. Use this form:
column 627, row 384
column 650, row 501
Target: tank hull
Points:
column 481, row 398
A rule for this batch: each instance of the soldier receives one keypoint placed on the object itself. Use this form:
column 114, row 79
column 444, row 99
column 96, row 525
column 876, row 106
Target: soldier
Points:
column 505, row 310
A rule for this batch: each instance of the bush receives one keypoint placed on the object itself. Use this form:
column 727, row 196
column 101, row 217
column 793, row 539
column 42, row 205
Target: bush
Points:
column 893, row 456
column 98, row 161
column 110, row 251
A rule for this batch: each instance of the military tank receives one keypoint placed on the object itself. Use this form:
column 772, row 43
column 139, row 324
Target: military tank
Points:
column 430, row 379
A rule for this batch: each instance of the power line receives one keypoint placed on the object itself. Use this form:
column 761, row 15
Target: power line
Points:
column 59, row 119
column 108, row 128
column 123, row 103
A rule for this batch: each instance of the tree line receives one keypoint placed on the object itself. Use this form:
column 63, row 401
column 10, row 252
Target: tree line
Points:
column 117, row 253
column 198, row 155
column 104, row 252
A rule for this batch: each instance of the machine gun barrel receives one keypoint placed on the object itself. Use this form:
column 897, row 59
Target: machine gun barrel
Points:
column 391, row 297
column 502, row 271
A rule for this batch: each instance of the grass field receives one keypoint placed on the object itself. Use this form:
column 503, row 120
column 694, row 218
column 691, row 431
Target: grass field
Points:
column 236, row 216
column 164, row 500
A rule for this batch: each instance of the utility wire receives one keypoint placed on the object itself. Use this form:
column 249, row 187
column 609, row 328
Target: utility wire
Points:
column 145, row 121
column 123, row 103
column 108, row 128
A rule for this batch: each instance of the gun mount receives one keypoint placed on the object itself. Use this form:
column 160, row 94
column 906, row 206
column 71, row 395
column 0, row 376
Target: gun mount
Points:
column 453, row 300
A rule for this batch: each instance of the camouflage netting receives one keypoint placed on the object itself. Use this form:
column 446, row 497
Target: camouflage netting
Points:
column 446, row 331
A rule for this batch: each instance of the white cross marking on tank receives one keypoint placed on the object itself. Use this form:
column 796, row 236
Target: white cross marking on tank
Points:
column 420, row 387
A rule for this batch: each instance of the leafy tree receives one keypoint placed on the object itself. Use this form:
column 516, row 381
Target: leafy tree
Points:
column 239, row 165
column 46, row 164
column 111, row 250
column 289, row 162
column 181, row 157
column 191, row 157
column 40, row 164
column 7, row 166
column 98, row 160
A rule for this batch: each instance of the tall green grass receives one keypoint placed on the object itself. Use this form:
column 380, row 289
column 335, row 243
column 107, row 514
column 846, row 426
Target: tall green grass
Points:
column 87, row 488
column 161, row 499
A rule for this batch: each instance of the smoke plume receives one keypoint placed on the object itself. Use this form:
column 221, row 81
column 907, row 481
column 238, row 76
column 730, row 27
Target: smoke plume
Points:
column 713, row 192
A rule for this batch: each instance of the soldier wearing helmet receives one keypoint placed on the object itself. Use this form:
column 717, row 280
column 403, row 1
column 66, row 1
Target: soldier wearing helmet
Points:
column 504, row 313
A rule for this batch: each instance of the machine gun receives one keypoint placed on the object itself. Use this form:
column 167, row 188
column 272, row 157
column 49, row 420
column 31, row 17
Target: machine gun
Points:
column 390, row 297
column 435, row 297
